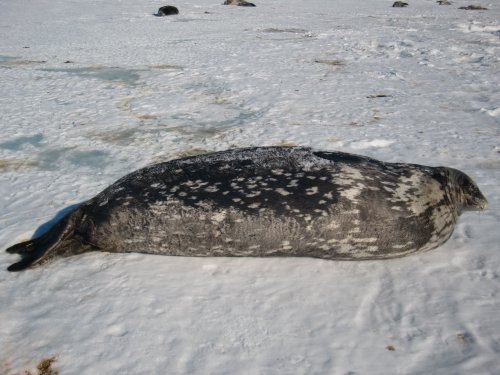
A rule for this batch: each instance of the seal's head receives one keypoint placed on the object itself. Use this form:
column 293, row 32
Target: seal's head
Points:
column 466, row 194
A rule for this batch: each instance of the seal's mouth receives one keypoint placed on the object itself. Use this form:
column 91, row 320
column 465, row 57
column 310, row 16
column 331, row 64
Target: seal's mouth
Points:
column 475, row 204
column 479, row 204
column 483, row 205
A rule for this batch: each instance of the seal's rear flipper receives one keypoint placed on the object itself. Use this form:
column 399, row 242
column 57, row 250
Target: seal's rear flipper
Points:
column 21, row 248
column 32, row 250
column 23, row 264
column 53, row 243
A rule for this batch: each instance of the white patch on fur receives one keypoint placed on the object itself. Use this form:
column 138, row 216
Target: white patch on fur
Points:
column 283, row 191
column 218, row 217
column 312, row 190
column 351, row 181
column 403, row 245
column 428, row 192
column 328, row 195
column 363, row 240
column 253, row 194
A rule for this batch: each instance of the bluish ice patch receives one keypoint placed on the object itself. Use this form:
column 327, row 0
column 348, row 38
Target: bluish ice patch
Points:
column 49, row 159
column 17, row 143
column 130, row 76
column 54, row 158
column 4, row 58
column 243, row 118
column 93, row 158
column 184, row 20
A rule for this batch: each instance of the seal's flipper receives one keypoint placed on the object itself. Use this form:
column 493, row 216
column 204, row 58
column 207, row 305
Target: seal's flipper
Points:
column 45, row 252
column 51, row 244
column 23, row 264
column 34, row 250
column 22, row 248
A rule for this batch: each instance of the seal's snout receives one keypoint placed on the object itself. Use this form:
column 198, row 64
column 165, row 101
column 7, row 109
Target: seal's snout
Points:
column 481, row 203
column 476, row 202
column 469, row 196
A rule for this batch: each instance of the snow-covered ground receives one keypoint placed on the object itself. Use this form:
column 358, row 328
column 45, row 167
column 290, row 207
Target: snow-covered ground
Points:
column 92, row 90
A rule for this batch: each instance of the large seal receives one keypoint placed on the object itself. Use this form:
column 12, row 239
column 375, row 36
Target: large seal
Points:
column 269, row 201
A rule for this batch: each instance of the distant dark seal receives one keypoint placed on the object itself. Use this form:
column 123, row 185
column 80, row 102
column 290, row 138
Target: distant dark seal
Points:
column 473, row 7
column 167, row 10
column 241, row 3
column 399, row 4
column 269, row 201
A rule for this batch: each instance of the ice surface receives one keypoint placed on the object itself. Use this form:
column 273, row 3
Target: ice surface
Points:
column 92, row 90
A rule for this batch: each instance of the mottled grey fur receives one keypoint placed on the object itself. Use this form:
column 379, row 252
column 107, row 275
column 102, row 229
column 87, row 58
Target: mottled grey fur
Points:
column 269, row 201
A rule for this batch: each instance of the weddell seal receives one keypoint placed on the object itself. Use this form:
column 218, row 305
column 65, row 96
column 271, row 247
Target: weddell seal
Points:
column 266, row 201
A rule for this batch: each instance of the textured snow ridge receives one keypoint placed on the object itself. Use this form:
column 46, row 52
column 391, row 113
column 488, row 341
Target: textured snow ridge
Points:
column 93, row 90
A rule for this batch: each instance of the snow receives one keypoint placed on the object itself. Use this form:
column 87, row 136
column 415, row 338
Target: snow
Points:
column 92, row 90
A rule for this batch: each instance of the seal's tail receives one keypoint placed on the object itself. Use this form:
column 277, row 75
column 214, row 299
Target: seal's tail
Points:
column 51, row 244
